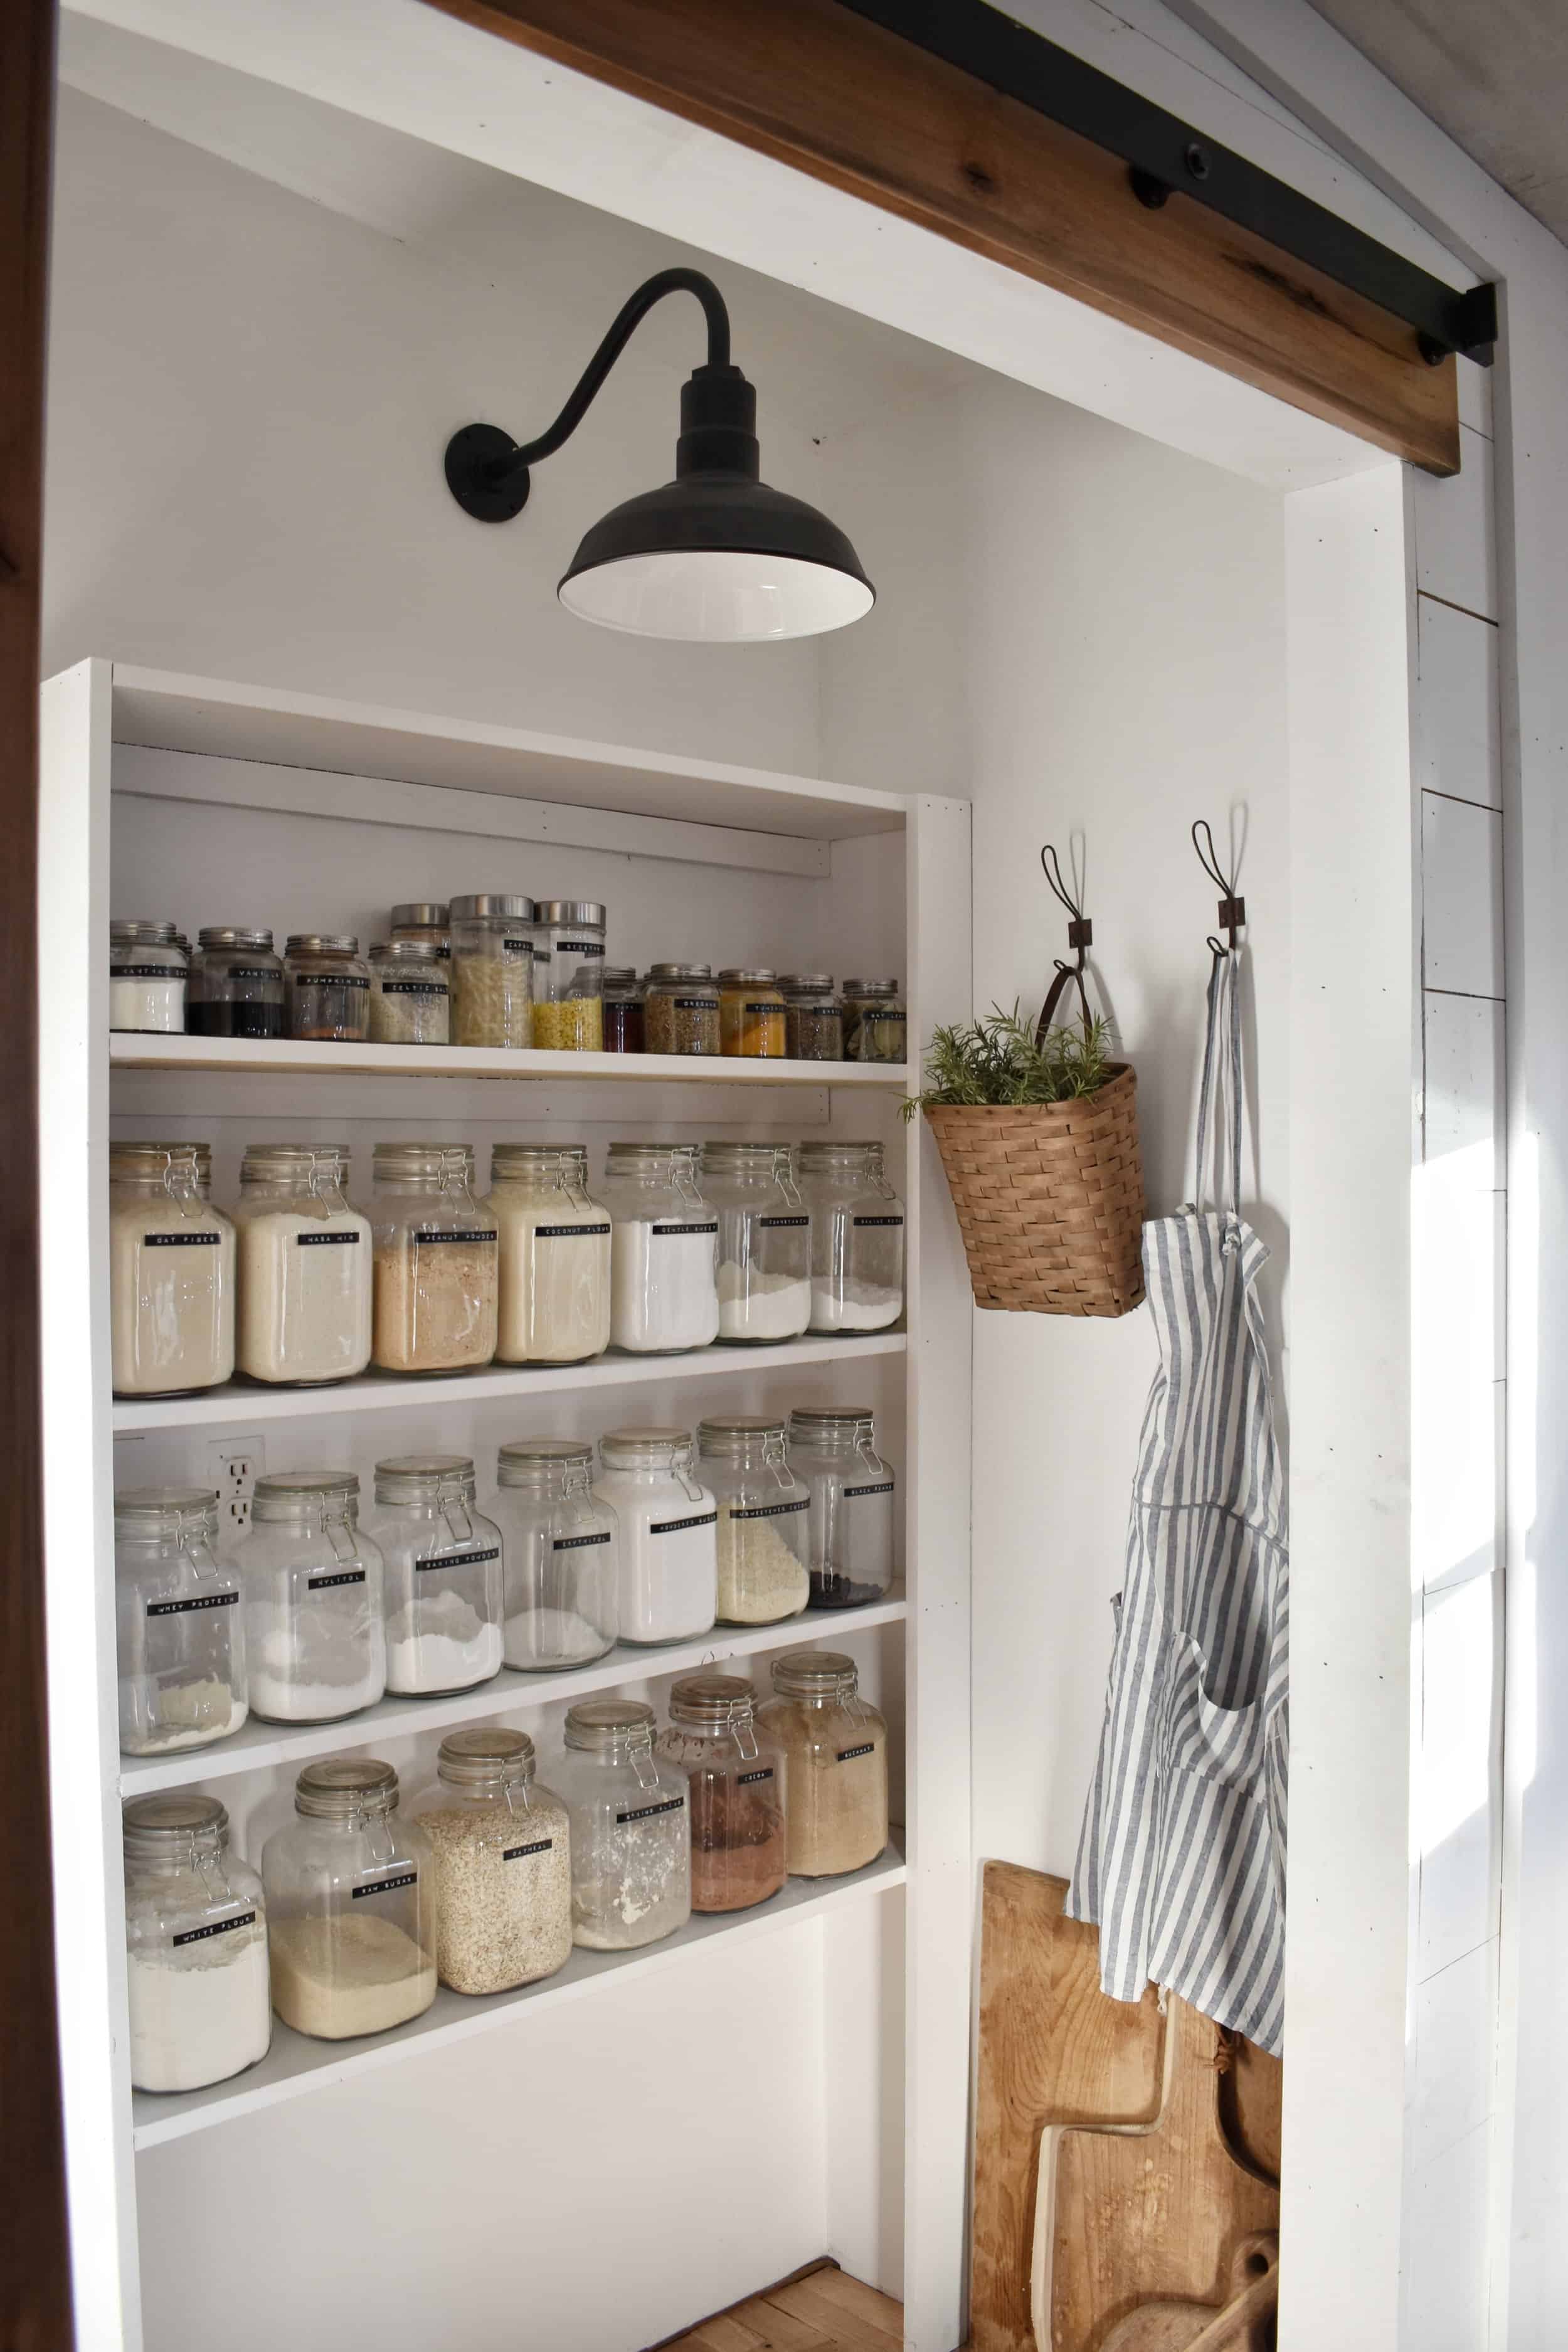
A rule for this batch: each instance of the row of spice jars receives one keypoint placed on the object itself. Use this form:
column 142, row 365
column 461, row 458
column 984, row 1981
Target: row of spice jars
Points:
column 754, row 1013
column 312, row 1618
column 489, row 1878
column 752, row 1243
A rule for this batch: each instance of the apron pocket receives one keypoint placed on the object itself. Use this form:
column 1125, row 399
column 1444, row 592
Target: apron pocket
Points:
column 1226, row 1745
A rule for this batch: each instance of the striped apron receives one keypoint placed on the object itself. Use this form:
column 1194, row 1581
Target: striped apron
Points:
column 1182, row 1855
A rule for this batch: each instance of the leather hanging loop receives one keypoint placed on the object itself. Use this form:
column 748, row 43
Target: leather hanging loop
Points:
column 1081, row 936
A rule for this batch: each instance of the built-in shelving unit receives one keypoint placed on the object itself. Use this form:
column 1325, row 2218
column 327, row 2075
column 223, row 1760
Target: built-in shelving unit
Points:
column 255, row 1056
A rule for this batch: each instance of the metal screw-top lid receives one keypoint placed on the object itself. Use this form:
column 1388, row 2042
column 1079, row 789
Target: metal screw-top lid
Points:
column 575, row 913
column 535, row 1461
column 498, row 905
column 640, row 1445
column 140, row 1508
column 870, row 988
column 807, row 983
column 659, row 971
column 233, row 935
column 605, row 1724
column 321, row 943
column 295, row 1494
column 124, row 931
column 736, row 976
column 730, row 1437
column 620, row 975
column 420, row 915
column 424, row 1477
column 411, row 952
column 486, row 1757
column 815, row 1673
column 722, row 1702
column 339, row 1787
column 160, row 1824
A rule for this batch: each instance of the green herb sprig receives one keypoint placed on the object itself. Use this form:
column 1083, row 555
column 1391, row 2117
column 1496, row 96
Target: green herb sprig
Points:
column 996, row 1060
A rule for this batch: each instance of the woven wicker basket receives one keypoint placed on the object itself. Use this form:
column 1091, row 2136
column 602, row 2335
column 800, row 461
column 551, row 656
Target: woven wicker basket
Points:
column 1051, row 1199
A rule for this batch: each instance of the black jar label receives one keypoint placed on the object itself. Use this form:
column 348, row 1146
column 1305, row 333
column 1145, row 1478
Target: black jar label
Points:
column 847, row 1755
column 767, row 1005
column 326, row 1241
column 426, row 1241
column 579, row 1543
column 339, row 1576
column 569, row 1233
column 695, row 1003
column 660, row 1233
column 517, row 1852
column 305, row 981
column 197, row 1600
column 415, row 988
column 882, row 1487
column 518, row 948
column 386, row 1886
column 580, row 947
column 249, row 971
column 145, row 971
column 745, row 1780
column 769, row 1223
column 218, row 1927
column 878, row 1220
column 457, row 1560
column 673, row 1527
column 769, row 1510
column 181, row 1241
column 647, row 1812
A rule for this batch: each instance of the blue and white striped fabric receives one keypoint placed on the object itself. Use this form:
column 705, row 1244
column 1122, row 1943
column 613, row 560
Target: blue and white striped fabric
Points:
column 1182, row 1855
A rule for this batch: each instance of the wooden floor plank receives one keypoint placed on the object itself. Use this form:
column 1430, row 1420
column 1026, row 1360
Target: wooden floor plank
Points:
column 781, row 2331
column 826, row 2311
column 864, row 2302
column 727, row 2332
column 807, row 2301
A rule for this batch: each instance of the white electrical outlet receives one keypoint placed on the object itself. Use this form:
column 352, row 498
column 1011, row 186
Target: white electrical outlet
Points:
column 232, row 1465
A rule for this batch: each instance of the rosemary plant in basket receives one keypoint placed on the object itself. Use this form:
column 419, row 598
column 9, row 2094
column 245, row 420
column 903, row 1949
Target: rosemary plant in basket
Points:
column 998, row 1060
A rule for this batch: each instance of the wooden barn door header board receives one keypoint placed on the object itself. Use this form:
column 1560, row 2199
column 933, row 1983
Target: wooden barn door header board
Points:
column 817, row 85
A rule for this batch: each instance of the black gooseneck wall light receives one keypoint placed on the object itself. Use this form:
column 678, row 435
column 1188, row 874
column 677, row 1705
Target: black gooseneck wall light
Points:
column 715, row 555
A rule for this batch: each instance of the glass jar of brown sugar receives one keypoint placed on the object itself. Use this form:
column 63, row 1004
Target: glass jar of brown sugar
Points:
column 736, row 1778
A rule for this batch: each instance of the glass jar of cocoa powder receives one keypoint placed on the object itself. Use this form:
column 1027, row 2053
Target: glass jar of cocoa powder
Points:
column 735, row 1776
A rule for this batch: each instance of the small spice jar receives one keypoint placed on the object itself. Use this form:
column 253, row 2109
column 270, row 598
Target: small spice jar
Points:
column 568, row 975
column 410, row 1002
column 171, row 1273
column 492, row 969
column 631, row 1836
column 735, row 1784
column 147, row 968
column 857, row 1236
column 814, row 1017
column 664, row 1259
column 441, row 1576
column 761, row 1527
column 554, row 1260
column 178, row 1631
column 304, row 1267
column 752, row 1014
column 425, row 922
column 622, row 1017
column 236, row 985
column 680, row 1010
column 560, row 1571
column 876, row 1023
column 666, row 1520
column 500, row 1848
column 434, row 1251
column 328, row 987
column 764, row 1242
column 195, row 1946
column 849, row 1527
column 350, row 1904
column 311, row 1579
column 835, row 1757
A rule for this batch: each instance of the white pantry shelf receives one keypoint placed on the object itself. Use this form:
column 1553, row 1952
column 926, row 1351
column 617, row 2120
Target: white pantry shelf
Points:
column 134, row 1050
column 261, row 1744
column 295, row 2063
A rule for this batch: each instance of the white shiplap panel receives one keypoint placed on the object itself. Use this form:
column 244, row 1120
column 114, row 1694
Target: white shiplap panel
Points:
column 1457, row 1815
column 1458, row 739
column 1456, row 534
column 1461, row 897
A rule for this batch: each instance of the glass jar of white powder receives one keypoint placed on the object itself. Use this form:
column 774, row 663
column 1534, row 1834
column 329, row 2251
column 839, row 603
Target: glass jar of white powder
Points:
column 304, row 1266
column 147, row 968
column 195, row 1946
column 764, row 1242
column 560, row 1569
column 853, row 1492
column 664, row 1259
column 434, row 1252
column 501, row 1857
column 171, row 1273
column 351, row 1904
column 314, row 1646
column 554, row 1246
column 441, row 1575
column 410, row 1002
column 179, row 1628
column 856, row 1237
column 763, row 1509
column 631, row 1835
column 666, row 1522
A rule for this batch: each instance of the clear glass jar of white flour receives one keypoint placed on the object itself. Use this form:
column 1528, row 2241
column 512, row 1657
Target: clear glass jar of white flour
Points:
column 764, row 1242
column 664, row 1255
column 304, row 1312
column 195, row 1946
column 314, row 1644
column 666, row 1521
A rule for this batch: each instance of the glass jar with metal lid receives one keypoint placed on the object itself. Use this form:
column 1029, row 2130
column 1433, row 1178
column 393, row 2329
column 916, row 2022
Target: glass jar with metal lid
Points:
column 410, row 999
column 761, row 1526
column 623, row 1015
column 171, row 1273
column 849, row 1527
column 857, row 1236
column 736, row 1794
column 664, row 1253
column 631, row 1838
column 764, row 1242
column 568, row 975
column 179, row 1632
column 351, row 1906
column 427, row 921
column 875, row 1023
column 147, row 968
column 236, row 985
column 835, row 1756
column 304, row 1259
column 492, row 969
column 328, row 987
column 561, row 1570
column 195, row 1946
column 500, row 1849
column 681, row 1012
column 315, row 1649
column 752, row 1014
column 441, row 1575
column 554, row 1255
column 436, row 1260
column 814, row 1017
column 665, row 1543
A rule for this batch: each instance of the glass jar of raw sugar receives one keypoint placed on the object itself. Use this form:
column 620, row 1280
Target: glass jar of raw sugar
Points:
column 314, row 1646
column 328, row 987
column 410, row 1001
column 179, row 1632
column 666, row 1522
column 568, row 975
column 761, row 1526
column 623, row 1021
column 441, row 1575
column 752, row 1014
column 171, row 1273
column 631, row 1837
column 500, row 1849
column 350, row 1904
column 764, row 1242
column 147, row 968
column 856, row 1237
column 425, row 922
column 195, row 1946
column 560, row 1570
column 434, row 1251
column 735, row 1783
column 554, row 1255
column 681, row 1012
column 236, row 986
column 849, row 1527
column 664, row 1257
column 876, row 1022
column 814, row 1017
column 492, row 969
column 304, row 1266
column 835, row 1757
